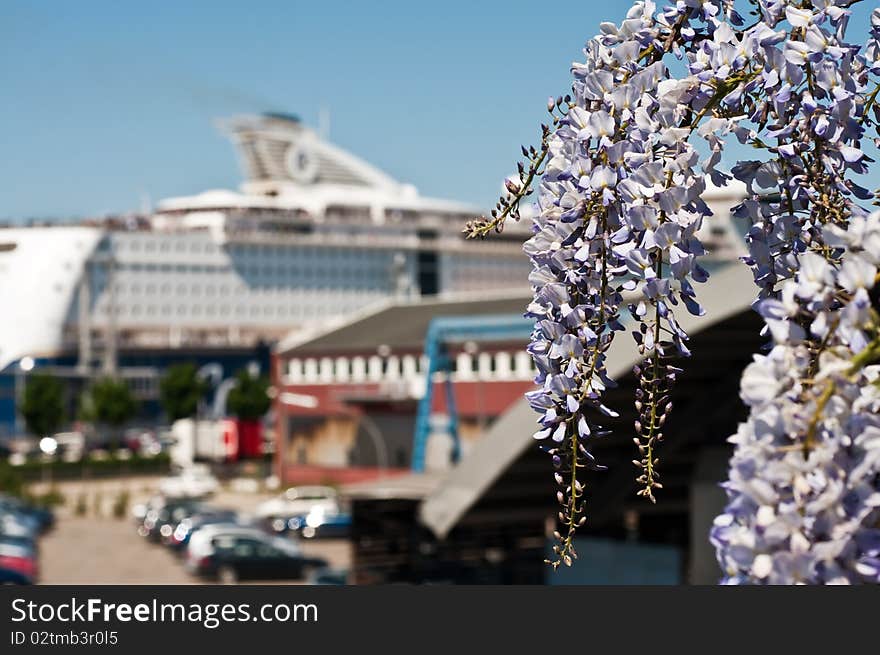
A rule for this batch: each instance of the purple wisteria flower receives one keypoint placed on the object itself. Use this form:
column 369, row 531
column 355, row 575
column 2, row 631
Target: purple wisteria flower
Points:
column 618, row 215
column 804, row 495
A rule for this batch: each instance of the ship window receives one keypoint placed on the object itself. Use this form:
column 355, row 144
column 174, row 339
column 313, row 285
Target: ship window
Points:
column 7, row 247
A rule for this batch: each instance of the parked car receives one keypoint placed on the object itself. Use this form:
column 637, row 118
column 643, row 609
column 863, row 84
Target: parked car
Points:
column 17, row 524
column 161, row 521
column 19, row 541
column 142, row 441
column 12, row 577
column 328, row 576
column 191, row 524
column 242, row 557
column 299, row 501
column 315, row 525
column 42, row 517
column 19, row 558
column 140, row 510
column 200, row 545
column 195, row 481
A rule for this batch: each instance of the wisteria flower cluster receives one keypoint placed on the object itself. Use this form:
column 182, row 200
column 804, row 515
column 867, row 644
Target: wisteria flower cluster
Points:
column 619, row 211
column 804, row 493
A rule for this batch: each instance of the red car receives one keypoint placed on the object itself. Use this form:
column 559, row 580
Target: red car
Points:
column 22, row 562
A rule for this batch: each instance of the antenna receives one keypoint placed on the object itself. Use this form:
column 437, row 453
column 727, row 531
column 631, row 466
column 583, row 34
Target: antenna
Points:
column 324, row 123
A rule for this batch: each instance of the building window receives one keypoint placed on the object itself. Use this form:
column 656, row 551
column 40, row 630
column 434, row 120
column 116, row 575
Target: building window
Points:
column 503, row 366
column 310, row 372
column 295, row 370
column 358, row 369
column 522, row 365
column 342, row 371
column 374, row 368
column 326, row 369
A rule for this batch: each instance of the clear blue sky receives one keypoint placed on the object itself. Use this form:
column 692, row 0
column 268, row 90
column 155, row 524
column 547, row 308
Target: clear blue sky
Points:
column 106, row 102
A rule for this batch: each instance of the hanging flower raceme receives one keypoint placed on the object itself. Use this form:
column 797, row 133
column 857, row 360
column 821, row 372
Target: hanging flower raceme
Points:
column 619, row 211
column 804, row 478
column 804, row 495
column 809, row 112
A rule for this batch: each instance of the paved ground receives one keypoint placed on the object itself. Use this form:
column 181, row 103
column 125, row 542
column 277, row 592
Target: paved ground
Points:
column 99, row 549
column 105, row 551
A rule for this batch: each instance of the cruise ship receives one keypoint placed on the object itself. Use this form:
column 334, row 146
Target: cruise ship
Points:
column 314, row 235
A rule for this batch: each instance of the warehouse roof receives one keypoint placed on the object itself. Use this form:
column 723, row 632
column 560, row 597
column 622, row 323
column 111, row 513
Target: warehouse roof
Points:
column 401, row 324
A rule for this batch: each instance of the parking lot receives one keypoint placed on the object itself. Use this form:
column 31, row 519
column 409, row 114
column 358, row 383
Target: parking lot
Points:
column 100, row 549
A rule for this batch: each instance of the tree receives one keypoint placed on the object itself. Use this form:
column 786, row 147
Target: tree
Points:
column 249, row 400
column 619, row 211
column 42, row 404
column 180, row 391
column 109, row 403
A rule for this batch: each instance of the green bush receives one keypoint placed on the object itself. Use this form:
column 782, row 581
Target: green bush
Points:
column 248, row 400
column 93, row 468
column 52, row 498
column 11, row 480
column 120, row 505
column 42, row 404
column 180, row 391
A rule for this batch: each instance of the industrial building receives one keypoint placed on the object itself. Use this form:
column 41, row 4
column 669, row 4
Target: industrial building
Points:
column 347, row 399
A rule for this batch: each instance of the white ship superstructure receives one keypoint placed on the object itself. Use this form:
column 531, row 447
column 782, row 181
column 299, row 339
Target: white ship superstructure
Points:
column 314, row 234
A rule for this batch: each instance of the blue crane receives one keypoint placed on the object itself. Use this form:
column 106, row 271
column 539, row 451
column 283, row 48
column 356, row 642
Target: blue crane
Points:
column 442, row 331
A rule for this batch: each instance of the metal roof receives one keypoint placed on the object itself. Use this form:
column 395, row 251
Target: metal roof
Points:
column 411, row 486
column 729, row 293
column 401, row 325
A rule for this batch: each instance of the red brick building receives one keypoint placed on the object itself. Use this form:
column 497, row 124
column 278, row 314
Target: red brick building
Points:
column 346, row 399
